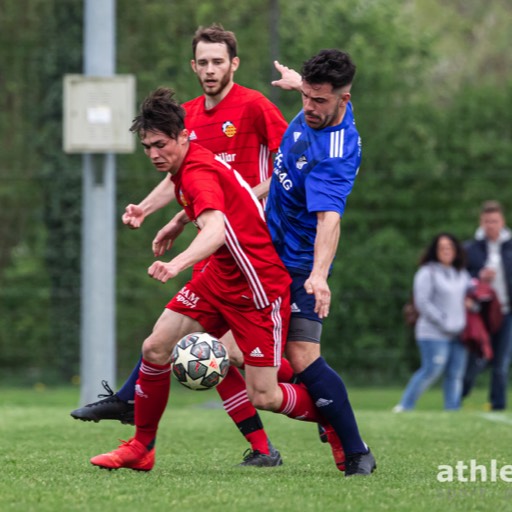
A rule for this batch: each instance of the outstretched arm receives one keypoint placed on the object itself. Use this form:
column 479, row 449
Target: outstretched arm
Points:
column 159, row 197
column 290, row 80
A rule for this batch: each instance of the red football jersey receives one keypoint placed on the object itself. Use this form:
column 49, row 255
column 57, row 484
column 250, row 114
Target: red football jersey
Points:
column 247, row 265
column 244, row 129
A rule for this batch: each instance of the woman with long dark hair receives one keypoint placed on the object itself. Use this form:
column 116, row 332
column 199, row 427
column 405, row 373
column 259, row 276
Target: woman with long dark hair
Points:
column 440, row 287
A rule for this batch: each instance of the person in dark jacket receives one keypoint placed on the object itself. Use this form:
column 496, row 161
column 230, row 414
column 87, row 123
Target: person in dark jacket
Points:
column 489, row 258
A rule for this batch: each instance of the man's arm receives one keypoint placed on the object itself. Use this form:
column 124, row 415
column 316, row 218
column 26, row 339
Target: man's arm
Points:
column 261, row 190
column 290, row 80
column 211, row 236
column 165, row 237
column 326, row 243
column 159, row 197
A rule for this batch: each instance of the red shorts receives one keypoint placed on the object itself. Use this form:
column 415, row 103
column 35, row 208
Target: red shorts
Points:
column 260, row 333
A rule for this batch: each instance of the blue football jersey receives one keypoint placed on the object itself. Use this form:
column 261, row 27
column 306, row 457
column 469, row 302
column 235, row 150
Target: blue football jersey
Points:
column 314, row 171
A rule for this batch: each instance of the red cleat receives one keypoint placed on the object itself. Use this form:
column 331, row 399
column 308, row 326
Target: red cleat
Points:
column 131, row 454
column 337, row 449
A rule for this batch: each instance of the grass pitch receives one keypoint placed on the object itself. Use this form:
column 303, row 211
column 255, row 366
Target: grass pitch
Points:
column 44, row 459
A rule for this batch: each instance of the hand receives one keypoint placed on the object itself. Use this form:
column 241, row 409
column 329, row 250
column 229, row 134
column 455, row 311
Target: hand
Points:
column 133, row 216
column 166, row 236
column 487, row 274
column 163, row 271
column 470, row 304
column 290, row 79
column 319, row 287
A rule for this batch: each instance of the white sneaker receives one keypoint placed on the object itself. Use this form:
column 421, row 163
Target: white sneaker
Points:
column 398, row 408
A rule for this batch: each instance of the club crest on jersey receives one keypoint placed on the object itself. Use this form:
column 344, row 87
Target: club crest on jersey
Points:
column 183, row 200
column 229, row 129
column 301, row 162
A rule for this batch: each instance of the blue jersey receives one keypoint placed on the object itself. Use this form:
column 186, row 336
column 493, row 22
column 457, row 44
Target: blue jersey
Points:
column 314, row 171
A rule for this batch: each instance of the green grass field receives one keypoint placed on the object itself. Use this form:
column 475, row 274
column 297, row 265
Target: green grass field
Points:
column 44, row 459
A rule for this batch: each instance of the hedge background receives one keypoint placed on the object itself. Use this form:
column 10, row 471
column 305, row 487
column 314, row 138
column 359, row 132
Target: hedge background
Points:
column 433, row 102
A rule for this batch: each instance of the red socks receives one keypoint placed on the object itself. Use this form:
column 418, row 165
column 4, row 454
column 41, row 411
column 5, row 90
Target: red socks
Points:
column 236, row 403
column 298, row 404
column 151, row 395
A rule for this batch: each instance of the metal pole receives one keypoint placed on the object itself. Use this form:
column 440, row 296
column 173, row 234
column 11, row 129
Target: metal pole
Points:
column 274, row 46
column 98, row 347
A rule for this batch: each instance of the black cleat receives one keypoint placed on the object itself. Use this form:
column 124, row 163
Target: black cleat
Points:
column 360, row 464
column 257, row 459
column 110, row 408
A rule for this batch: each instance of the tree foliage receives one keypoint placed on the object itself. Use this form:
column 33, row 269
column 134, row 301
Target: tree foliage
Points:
column 432, row 97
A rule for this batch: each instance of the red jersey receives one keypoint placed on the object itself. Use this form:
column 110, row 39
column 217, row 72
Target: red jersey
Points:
column 247, row 265
column 244, row 129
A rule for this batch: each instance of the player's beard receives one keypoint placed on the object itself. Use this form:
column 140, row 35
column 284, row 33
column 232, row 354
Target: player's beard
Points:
column 320, row 122
column 220, row 85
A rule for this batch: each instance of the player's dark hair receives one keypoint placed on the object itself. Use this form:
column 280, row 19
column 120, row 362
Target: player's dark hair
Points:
column 215, row 33
column 430, row 253
column 160, row 112
column 329, row 66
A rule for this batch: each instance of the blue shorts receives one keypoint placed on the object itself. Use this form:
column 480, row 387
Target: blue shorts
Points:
column 305, row 324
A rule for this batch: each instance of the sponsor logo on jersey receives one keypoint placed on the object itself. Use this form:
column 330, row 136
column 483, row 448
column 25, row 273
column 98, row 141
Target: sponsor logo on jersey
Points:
column 227, row 157
column 280, row 174
column 296, row 136
column 301, row 162
column 256, row 352
column 229, row 129
column 283, row 179
column 187, row 298
column 192, row 135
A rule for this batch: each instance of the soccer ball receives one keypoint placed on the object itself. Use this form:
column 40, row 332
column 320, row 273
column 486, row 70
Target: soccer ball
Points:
column 199, row 361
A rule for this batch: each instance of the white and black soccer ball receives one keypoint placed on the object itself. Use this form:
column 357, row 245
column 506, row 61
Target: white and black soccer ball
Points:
column 199, row 361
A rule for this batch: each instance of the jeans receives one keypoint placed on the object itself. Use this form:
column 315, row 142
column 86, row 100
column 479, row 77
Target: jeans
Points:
column 438, row 356
column 502, row 348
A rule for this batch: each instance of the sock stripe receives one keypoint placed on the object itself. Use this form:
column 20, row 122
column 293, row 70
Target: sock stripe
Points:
column 235, row 401
column 290, row 397
column 235, row 405
column 240, row 394
column 151, row 370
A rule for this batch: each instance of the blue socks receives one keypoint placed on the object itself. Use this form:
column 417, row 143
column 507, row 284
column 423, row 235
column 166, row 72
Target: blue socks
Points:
column 330, row 396
column 127, row 392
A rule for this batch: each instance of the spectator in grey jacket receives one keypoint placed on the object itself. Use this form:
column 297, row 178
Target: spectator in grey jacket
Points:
column 440, row 287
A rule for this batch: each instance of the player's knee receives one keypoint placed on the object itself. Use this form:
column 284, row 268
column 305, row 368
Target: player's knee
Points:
column 264, row 400
column 155, row 351
column 301, row 355
column 236, row 359
column 261, row 401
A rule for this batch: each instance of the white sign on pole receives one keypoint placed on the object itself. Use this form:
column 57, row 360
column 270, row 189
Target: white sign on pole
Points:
column 98, row 112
